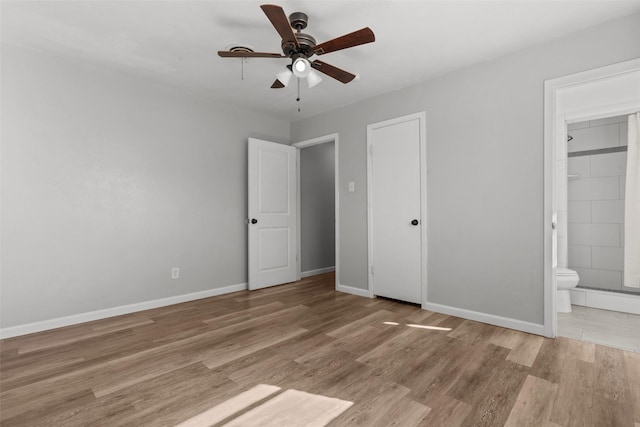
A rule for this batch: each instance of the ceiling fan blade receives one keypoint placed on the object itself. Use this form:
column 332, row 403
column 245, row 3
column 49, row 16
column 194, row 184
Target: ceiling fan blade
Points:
column 331, row 71
column 277, row 85
column 228, row 54
column 280, row 22
column 356, row 38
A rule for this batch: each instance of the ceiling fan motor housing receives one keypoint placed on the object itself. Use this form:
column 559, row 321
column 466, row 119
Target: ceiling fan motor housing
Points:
column 306, row 43
column 298, row 21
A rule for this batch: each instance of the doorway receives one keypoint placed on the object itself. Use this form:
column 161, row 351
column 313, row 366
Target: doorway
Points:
column 591, row 235
column 590, row 95
column 318, row 206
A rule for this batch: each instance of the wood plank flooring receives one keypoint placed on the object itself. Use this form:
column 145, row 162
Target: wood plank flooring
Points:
column 303, row 354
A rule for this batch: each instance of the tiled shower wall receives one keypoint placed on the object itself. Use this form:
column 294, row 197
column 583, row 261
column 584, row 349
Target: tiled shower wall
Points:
column 595, row 193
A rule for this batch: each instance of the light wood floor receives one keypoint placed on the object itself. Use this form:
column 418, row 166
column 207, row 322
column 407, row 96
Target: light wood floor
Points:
column 303, row 354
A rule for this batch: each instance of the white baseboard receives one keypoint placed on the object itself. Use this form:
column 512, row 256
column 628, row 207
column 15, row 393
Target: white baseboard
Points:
column 30, row 328
column 505, row 322
column 625, row 303
column 316, row 272
column 354, row 291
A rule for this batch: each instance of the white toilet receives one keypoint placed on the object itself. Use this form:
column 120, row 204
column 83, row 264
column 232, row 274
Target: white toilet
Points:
column 565, row 280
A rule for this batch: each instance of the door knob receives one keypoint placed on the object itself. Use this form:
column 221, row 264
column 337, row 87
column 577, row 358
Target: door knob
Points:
column 415, row 222
column 254, row 221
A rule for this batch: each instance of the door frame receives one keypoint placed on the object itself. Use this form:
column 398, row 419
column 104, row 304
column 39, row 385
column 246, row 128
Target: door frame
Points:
column 422, row 119
column 588, row 95
column 335, row 138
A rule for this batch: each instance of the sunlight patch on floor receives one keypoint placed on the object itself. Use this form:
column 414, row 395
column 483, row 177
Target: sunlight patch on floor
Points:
column 289, row 408
column 411, row 325
column 433, row 328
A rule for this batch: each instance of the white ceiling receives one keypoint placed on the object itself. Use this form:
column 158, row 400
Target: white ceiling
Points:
column 175, row 42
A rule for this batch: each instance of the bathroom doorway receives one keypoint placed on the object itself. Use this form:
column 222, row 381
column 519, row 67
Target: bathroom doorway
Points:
column 591, row 234
column 595, row 98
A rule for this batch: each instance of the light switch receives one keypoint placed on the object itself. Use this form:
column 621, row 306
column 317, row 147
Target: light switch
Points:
column 352, row 186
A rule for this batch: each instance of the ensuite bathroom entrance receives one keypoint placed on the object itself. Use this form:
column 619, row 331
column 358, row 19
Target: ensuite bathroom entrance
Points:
column 592, row 205
column 597, row 228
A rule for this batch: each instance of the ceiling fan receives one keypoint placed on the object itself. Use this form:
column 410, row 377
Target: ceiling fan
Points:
column 302, row 49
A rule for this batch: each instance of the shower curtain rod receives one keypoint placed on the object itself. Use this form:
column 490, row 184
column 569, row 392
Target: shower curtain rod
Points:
column 618, row 149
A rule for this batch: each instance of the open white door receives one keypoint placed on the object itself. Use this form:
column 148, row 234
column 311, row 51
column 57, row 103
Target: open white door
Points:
column 273, row 238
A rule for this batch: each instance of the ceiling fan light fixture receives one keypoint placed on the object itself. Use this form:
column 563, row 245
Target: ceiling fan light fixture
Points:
column 301, row 67
column 313, row 78
column 301, row 49
column 284, row 76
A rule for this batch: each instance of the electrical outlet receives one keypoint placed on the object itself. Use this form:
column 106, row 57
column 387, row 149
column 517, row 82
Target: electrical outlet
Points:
column 175, row 273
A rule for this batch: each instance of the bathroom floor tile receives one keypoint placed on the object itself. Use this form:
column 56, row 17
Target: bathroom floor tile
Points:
column 610, row 328
column 569, row 331
column 605, row 315
column 578, row 312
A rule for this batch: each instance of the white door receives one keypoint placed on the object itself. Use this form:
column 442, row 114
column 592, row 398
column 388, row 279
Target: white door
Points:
column 272, row 216
column 396, row 208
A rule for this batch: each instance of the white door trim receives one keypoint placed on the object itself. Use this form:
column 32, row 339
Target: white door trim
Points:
column 334, row 137
column 582, row 96
column 422, row 119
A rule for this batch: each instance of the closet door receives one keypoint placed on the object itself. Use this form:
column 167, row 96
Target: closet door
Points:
column 396, row 218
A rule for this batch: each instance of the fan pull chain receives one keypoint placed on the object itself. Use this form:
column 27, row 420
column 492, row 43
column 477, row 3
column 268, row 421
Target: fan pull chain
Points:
column 298, row 98
column 242, row 68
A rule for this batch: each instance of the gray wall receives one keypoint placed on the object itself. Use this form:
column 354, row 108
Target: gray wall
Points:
column 317, row 206
column 108, row 181
column 485, row 170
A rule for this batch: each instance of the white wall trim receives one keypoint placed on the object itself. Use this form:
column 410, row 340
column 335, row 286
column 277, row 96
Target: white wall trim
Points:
column 315, row 141
column 335, row 137
column 625, row 303
column 354, row 291
column 597, row 93
column 30, row 328
column 298, row 216
column 505, row 322
column 310, row 273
